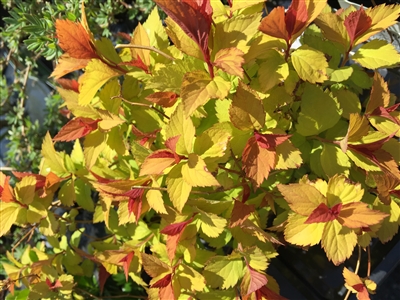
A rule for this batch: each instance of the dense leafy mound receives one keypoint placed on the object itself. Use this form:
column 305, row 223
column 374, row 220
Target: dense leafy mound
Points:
column 209, row 152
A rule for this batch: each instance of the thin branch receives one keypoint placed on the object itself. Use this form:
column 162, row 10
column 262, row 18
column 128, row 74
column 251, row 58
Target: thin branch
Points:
column 369, row 262
column 151, row 106
column 30, row 232
column 145, row 48
column 231, row 171
column 7, row 169
column 358, row 260
column 109, row 297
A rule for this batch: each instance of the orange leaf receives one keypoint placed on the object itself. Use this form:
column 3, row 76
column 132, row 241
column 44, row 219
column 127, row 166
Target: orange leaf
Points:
column 240, row 213
column 257, row 161
column 67, row 64
column 386, row 184
column 74, row 39
column 6, row 191
column 76, row 128
column 230, row 60
column 358, row 215
column 380, row 94
column 157, row 162
column 165, row 99
column 69, row 84
column 274, row 24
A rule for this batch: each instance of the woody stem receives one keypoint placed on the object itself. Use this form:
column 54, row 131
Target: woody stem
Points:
column 145, row 48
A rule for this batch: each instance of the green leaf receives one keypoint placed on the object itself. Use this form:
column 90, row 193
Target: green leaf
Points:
column 181, row 126
column 319, row 111
column 189, row 279
column 302, row 198
column 338, row 242
column 157, row 36
column 390, row 225
column 213, row 142
column 170, row 77
column 377, row 54
column 349, row 102
column 310, row 64
column 211, row 224
column 236, row 31
column 52, row 160
column 341, row 74
column 224, row 271
column 96, row 75
column 83, row 195
column 334, row 161
column 8, row 215
column 195, row 172
column 273, row 70
column 25, row 189
column 298, row 233
column 362, row 161
column 340, row 191
column 178, row 189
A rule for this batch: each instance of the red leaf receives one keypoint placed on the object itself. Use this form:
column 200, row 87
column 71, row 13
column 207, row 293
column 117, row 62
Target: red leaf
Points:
column 163, row 282
column 126, row 263
column 194, row 17
column 69, row 84
column 385, row 113
column 145, row 136
column 371, row 147
column 101, row 179
column 357, row 23
column 40, row 179
column 165, row 99
column 322, row 214
column 135, row 207
column 174, row 229
column 136, row 62
column 103, row 276
column 257, row 281
column 296, row 17
column 74, row 39
column 55, row 285
column 171, row 143
column 174, row 232
column 124, row 36
column 240, row 213
column 76, row 128
column 270, row 141
column 270, row 294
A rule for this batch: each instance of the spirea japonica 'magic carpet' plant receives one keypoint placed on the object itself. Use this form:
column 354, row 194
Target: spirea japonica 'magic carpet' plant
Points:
column 205, row 144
